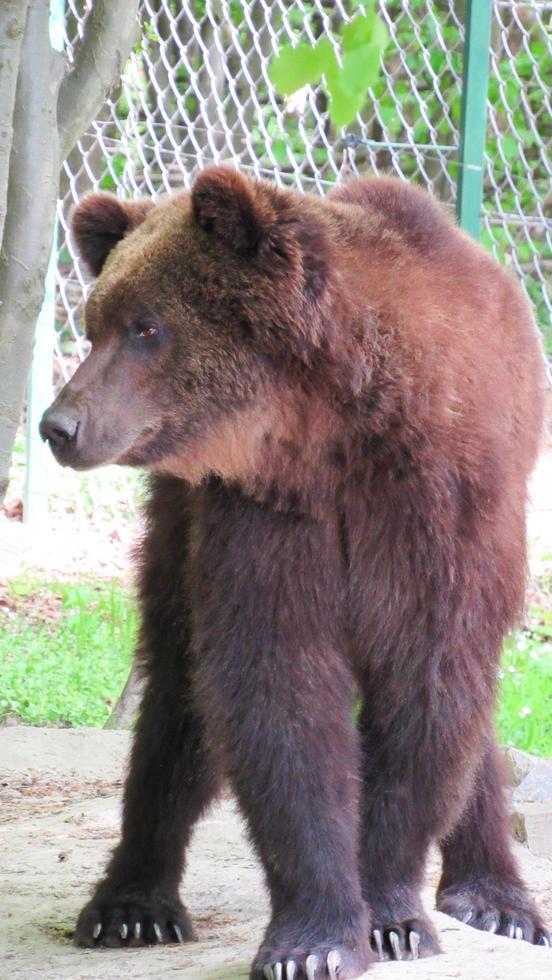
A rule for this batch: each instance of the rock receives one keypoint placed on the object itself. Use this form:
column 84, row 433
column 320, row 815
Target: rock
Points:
column 519, row 764
column 536, row 787
column 519, row 829
column 531, row 801
column 532, row 825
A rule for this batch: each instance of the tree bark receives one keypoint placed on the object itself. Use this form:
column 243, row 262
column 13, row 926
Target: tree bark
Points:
column 128, row 702
column 50, row 111
column 13, row 14
column 111, row 31
column 28, row 228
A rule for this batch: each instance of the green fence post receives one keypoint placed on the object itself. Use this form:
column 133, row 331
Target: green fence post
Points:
column 40, row 388
column 475, row 80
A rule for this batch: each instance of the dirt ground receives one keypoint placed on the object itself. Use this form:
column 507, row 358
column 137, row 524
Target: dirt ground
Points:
column 59, row 817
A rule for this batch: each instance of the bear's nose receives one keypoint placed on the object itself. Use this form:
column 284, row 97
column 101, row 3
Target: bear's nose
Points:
column 58, row 427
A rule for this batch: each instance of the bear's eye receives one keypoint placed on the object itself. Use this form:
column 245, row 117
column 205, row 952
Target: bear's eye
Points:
column 145, row 329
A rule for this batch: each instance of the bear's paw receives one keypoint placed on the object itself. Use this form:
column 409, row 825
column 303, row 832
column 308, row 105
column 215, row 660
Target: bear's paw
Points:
column 132, row 919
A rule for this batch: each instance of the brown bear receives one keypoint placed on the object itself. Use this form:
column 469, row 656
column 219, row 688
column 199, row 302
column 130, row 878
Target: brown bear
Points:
column 340, row 403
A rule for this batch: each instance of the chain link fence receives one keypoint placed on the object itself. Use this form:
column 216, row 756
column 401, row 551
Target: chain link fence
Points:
column 197, row 90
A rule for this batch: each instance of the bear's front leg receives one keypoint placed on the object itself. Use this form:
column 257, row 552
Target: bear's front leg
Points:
column 278, row 696
column 172, row 776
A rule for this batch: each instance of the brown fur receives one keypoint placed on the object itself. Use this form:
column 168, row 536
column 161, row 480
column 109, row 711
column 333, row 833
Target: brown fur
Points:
column 342, row 401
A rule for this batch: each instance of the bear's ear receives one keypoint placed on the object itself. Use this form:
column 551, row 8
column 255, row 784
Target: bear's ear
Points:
column 238, row 211
column 102, row 220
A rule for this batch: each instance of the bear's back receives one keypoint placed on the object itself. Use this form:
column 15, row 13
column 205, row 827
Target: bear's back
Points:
column 404, row 208
column 453, row 327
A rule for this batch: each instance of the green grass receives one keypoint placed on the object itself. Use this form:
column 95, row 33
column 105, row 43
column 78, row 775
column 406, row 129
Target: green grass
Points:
column 524, row 716
column 65, row 652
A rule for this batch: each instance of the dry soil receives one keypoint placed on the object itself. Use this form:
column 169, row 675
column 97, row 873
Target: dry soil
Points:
column 60, row 793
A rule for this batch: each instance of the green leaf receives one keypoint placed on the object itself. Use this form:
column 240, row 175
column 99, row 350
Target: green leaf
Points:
column 361, row 69
column 363, row 41
column 344, row 105
column 365, row 30
column 387, row 113
column 303, row 65
column 358, row 31
column 279, row 149
column 326, row 55
column 510, row 147
column 22, row 587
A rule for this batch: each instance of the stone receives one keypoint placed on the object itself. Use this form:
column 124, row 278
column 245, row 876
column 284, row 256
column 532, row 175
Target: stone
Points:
column 519, row 764
column 532, row 825
column 536, row 787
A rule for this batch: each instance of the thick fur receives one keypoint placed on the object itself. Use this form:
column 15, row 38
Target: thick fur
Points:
column 350, row 416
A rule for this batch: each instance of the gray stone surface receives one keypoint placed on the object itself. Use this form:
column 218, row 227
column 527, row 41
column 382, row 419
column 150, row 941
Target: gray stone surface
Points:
column 536, row 787
column 533, row 826
column 519, row 764
column 59, row 817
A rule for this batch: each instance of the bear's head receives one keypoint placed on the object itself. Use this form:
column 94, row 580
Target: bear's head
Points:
column 211, row 308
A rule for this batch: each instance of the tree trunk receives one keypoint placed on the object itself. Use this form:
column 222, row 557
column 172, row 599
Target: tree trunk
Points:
column 13, row 14
column 49, row 111
column 28, row 228
column 128, row 702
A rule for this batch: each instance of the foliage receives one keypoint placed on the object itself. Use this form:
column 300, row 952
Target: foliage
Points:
column 524, row 717
column 65, row 657
column 360, row 45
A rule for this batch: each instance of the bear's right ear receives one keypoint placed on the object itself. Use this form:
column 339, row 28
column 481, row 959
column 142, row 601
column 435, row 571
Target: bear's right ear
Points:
column 238, row 211
column 100, row 221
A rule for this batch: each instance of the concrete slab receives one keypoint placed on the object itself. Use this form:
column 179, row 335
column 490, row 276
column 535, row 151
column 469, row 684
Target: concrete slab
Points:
column 60, row 793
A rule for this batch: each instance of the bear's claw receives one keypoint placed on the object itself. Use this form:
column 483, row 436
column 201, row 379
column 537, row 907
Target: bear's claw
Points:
column 333, row 963
column 414, row 944
column 496, row 907
column 378, row 942
column 405, row 941
column 311, row 964
column 274, row 971
column 491, row 921
column 129, row 919
column 395, row 945
column 137, row 932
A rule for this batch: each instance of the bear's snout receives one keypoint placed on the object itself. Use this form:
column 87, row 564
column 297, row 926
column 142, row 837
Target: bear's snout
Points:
column 60, row 428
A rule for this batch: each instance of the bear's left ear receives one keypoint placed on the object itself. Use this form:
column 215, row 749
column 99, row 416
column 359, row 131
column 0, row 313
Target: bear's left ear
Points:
column 240, row 212
column 100, row 221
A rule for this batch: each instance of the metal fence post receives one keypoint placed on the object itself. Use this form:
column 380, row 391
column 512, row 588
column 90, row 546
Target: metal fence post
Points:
column 40, row 387
column 475, row 78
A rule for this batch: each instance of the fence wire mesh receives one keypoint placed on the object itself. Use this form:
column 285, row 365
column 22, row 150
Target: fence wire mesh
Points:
column 197, row 90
